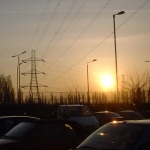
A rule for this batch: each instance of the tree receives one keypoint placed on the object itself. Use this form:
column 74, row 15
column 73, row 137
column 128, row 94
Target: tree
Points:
column 7, row 94
column 136, row 82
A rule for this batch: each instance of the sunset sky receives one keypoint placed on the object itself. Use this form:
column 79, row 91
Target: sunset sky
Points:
column 67, row 34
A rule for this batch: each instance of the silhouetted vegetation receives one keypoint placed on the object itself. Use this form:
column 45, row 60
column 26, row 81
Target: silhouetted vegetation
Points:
column 7, row 94
column 134, row 93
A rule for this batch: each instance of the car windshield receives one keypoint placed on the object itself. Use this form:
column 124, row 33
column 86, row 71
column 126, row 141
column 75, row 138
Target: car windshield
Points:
column 77, row 111
column 114, row 136
column 20, row 130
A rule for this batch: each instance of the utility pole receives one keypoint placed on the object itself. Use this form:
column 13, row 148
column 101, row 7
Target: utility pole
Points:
column 18, row 77
column 116, row 63
column 88, row 95
column 34, row 93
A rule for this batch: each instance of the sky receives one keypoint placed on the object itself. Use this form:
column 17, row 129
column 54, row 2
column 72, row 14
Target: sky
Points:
column 67, row 35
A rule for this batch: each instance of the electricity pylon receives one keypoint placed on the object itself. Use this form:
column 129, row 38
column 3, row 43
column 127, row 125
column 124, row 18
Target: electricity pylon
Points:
column 34, row 94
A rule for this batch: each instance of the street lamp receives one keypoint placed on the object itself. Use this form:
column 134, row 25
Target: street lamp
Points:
column 18, row 73
column 119, row 13
column 88, row 97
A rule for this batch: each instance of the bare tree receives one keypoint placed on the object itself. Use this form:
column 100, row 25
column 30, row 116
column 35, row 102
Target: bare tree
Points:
column 135, row 83
column 7, row 93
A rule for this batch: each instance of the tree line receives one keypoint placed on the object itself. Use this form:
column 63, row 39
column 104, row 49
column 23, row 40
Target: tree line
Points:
column 134, row 87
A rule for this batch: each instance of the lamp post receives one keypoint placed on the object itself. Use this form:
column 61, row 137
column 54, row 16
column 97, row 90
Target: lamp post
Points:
column 18, row 74
column 88, row 97
column 119, row 13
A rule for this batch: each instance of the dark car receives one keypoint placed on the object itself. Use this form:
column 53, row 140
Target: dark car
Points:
column 104, row 117
column 59, row 134
column 8, row 122
column 122, row 135
column 130, row 115
column 145, row 114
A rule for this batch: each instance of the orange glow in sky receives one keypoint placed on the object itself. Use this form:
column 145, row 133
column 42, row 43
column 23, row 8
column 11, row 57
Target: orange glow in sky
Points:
column 66, row 35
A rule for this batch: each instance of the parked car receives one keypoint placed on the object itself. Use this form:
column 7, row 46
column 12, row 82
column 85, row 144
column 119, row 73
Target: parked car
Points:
column 130, row 115
column 120, row 135
column 145, row 114
column 8, row 122
column 79, row 113
column 104, row 117
column 59, row 134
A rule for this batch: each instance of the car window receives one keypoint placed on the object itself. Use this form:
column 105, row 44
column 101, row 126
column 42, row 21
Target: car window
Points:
column 146, row 114
column 136, row 115
column 113, row 115
column 21, row 130
column 57, row 130
column 6, row 125
column 131, row 115
column 126, row 115
column 116, row 136
column 63, row 113
column 99, row 116
column 75, row 111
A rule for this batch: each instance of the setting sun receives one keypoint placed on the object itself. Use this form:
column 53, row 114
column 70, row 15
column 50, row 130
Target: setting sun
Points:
column 107, row 81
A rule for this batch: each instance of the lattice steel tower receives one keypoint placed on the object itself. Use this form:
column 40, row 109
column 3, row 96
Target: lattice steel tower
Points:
column 34, row 86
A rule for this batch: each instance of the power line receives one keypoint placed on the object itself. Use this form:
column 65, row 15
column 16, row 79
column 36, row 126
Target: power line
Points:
column 106, row 37
column 49, row 23
column 66, row 28
column 102, row 40
column 39, row 24
column 61, row 24
column 83, row 30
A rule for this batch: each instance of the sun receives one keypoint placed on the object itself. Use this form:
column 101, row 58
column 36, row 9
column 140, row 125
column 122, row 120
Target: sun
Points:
column 107, row 81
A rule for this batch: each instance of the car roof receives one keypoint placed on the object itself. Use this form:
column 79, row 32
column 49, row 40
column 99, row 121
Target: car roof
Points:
column 9, row 117
column 72, row 105
column 104, row 112
column 55, row 121
column 59, row 121
column 127, row 111
column 144, row 121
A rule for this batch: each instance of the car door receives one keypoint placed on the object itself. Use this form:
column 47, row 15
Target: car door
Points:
column 53, row 136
